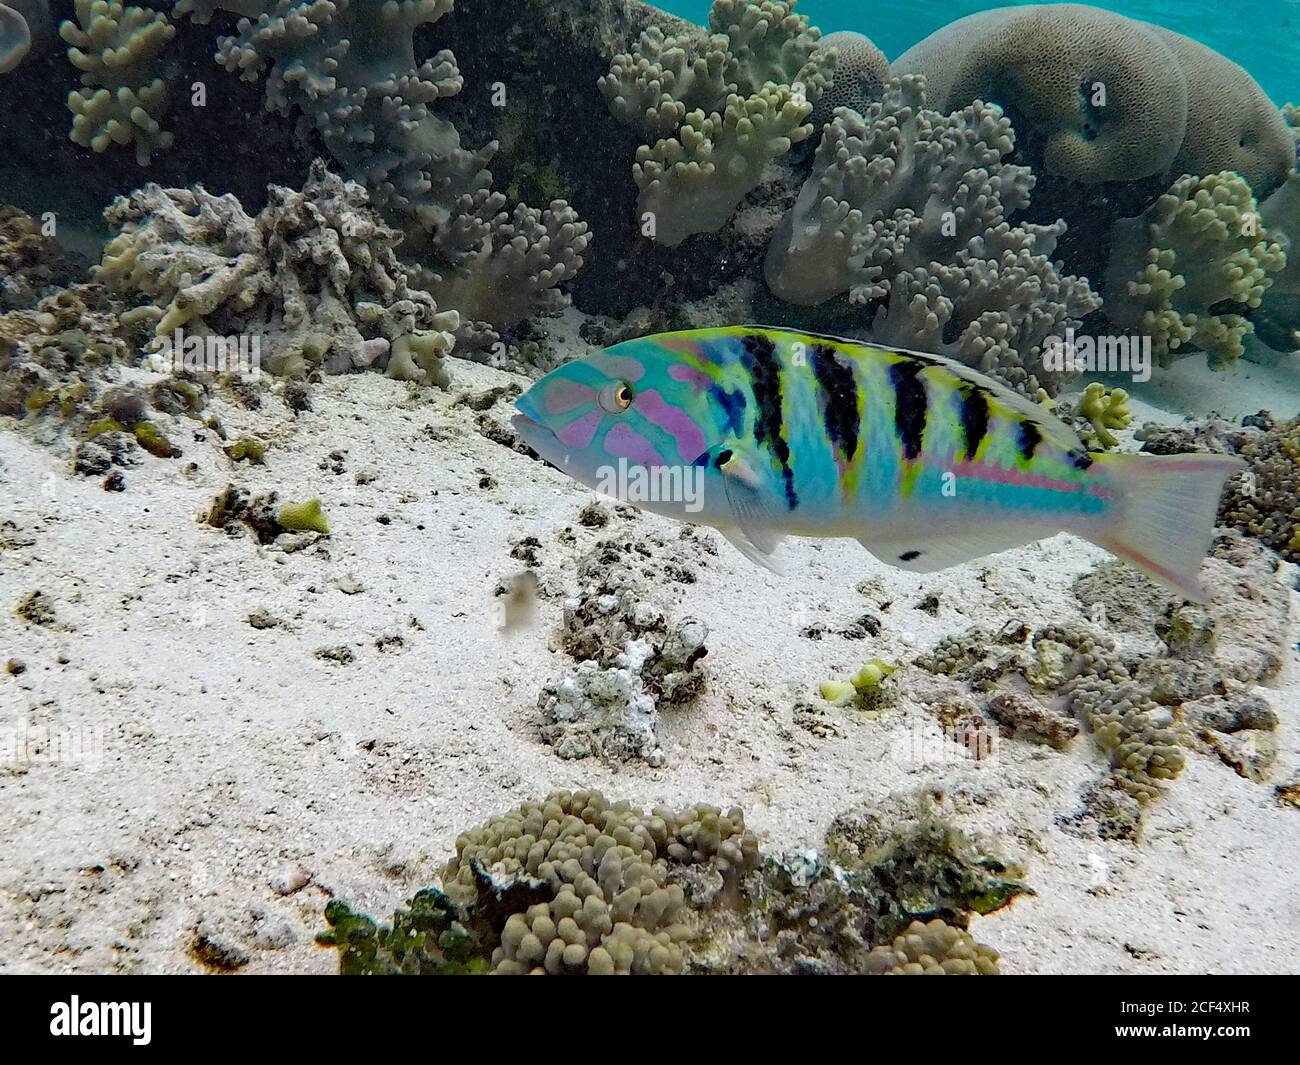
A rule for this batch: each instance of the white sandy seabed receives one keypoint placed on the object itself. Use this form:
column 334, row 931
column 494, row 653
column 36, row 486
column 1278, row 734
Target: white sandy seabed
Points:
column 232, row 755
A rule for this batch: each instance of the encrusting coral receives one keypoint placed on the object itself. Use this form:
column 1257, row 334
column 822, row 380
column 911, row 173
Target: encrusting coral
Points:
column 31, row 264
column 116, row 48
column 631, row 662
column 1143, row 709
column 716, row 110
column 906, row 211
column 1100, row 97
column 350, row 72
column 1266, row 502
column 314, row 277
column 1188, row 271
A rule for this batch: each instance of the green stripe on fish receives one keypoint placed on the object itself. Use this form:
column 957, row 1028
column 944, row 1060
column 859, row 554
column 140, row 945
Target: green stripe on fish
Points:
column 925, row 461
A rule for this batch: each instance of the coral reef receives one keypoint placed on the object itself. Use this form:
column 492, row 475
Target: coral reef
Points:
column 1099, row 97
column 1144, row 709
column 577, row 885
column 716, row 110
column 1265, row 503
column 116, row 48
column 632, row 661
column 351, row 73
column 314, row 277
column 31, row 264
column 1189, row 270
column 906, row 210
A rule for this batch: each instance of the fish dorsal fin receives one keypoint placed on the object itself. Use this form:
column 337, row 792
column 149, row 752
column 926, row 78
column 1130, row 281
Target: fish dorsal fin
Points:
column 931, row 550
column 1002, row 395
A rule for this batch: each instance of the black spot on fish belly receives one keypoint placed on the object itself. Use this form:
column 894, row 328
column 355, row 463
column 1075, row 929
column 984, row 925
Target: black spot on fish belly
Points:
column 839, row 393
column 908, row 556
column 760, row 360
column 1028, row 437
column 974, row 417
column 909, row 405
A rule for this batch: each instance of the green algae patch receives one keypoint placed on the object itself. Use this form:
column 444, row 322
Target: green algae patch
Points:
column 246, row 449
column 150, row 437
column 429, row 938
column 104, row 425
column 304, row 517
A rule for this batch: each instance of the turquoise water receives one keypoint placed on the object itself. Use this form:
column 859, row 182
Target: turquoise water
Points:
column 1261, row 35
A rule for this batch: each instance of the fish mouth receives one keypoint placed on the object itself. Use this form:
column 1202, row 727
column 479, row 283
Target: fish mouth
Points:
column 541, row 439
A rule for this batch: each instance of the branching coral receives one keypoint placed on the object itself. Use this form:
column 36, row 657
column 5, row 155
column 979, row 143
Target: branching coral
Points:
column 312, row 276
column 1102, row 409
column 717, row 110
column 116, row 49
column 1190, row 268
column 906, row 209
column 351, row 72
column 1100, row 97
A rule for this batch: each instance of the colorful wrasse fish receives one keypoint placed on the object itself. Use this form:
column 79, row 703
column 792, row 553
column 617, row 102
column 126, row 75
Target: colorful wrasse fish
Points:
column 761, row 432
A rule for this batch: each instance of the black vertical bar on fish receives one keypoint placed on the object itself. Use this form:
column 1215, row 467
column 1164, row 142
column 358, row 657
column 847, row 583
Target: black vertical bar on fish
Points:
column 839, row 400
column 764, row 368
column 909, row 405
column 974, row 417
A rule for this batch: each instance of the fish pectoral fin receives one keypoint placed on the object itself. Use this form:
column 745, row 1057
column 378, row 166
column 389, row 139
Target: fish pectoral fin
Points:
column 927, row 551
column 756, row 533
column 759, row 555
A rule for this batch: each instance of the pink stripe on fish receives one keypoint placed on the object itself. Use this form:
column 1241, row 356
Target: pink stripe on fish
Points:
column 578, row 433
column 674, row 421
column 697, row 379
column 563, row 395
column 1023, row 478
column 616, row 366
column 623, row 441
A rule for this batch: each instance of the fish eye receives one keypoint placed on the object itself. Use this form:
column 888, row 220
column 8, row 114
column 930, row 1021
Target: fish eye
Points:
column 616, row 397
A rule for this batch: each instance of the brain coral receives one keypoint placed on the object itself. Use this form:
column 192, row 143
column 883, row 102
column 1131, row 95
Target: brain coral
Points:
column 1100, row 97
column 860, row 75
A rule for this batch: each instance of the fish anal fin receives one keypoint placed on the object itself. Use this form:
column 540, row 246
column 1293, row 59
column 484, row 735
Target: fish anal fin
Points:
column 929, row 550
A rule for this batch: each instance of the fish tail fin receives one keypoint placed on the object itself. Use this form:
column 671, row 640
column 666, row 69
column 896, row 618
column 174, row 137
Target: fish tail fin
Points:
column 1163, row 519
